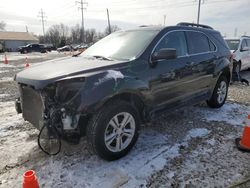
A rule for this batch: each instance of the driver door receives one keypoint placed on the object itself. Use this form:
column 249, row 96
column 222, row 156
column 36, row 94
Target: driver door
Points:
column 170, row 79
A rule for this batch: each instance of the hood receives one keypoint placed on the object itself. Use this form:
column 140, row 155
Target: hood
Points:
column 47, row 72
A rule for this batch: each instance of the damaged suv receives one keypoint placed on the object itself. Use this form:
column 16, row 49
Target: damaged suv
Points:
column 125, row 80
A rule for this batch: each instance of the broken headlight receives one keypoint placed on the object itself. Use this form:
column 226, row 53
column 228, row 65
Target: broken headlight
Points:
column 68, row 89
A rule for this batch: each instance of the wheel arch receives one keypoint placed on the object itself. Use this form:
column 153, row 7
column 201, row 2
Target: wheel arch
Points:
column 133, row 98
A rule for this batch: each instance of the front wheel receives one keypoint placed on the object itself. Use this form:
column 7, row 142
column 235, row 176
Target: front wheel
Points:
column 113, row 130
column 219, row 95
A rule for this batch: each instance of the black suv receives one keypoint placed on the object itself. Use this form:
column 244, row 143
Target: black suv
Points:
column 32, row 48
column 122, row 81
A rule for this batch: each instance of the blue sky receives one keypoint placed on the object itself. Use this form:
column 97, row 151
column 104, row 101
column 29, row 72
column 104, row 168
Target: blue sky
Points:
column 224, row 15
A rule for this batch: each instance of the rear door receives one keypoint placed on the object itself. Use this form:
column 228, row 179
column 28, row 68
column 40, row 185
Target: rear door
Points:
column 202, row 53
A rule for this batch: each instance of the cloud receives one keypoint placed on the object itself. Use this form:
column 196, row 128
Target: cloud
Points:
column 224, row 15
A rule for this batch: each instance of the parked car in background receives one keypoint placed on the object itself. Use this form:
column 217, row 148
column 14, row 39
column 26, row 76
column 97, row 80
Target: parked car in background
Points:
column 49, row 47
column 240, row 49
column 66, row 48
column 1, row 48
column 32, row 48
column 82, row 47
column 124, row 79
column 79, row 47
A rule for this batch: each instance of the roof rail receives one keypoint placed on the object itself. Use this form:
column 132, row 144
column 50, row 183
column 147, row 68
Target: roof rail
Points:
column 194, row 25
column 245, row 36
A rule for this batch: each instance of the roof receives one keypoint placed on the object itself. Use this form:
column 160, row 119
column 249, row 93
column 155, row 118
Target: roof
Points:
column 23, row 36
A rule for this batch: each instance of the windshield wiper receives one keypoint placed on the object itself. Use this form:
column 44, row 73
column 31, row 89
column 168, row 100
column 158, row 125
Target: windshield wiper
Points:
column 102, row 57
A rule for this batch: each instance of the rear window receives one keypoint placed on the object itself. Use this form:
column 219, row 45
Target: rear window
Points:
column 233, row 44
column 197, row 43
column 248, row 42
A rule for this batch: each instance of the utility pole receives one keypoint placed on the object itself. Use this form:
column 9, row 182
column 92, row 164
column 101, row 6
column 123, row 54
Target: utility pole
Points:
column 82, row 8
column 41, row 15
column 164, row 20
column 108, row 21
column 199, row 9
column 235, row 32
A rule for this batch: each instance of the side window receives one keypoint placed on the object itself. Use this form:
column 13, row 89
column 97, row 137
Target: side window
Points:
column 197, row 42
column 176, row 40
column 212, row 46
column 243, row 44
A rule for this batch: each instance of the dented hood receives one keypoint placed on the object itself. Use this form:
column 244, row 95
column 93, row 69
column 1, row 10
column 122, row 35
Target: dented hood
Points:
column 42, row 74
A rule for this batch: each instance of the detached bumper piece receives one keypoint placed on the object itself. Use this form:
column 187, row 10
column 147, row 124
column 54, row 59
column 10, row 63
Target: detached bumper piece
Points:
column 18, row 105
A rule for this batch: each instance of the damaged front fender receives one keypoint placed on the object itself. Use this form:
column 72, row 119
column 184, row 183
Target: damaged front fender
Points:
column 103, row 86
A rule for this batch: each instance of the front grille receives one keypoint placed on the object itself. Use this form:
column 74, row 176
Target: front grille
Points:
column 32, row 106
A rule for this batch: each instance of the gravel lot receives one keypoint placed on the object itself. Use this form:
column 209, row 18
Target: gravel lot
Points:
column 191, row 147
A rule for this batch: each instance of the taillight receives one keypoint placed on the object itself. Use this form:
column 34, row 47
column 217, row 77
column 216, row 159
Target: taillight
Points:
column 231, row 56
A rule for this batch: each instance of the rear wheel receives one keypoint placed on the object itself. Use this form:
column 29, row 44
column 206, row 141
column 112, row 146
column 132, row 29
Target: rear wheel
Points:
column 113, row 130
column 219, row 95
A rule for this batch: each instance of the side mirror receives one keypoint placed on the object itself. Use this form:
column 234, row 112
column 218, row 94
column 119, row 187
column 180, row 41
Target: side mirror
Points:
column 245, row 48
column 164, row 53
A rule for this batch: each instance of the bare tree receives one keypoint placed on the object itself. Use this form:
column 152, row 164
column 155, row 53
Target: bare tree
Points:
column 60, row 35
column 57, row 35
column 2, row 25
column 75, row 34
column 113, row 28
column 90, row 36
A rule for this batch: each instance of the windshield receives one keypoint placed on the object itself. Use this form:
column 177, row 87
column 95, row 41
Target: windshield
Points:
column 233, row 44
column 122, row 45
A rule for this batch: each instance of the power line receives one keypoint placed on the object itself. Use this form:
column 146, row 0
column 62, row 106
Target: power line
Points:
column 82, row 8
column 41, row 15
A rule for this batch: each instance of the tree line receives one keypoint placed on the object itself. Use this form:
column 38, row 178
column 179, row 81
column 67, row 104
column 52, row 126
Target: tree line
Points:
column 60, row 35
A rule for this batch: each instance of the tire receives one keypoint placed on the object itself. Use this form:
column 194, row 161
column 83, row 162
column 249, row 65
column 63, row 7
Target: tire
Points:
column 102, row 127
column 219, row 95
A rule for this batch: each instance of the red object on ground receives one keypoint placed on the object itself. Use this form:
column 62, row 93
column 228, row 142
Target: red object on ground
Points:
column 5, row 59
column 245, row 139
column 30, row 179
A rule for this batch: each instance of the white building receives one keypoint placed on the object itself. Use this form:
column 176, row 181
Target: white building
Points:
column 12, row 40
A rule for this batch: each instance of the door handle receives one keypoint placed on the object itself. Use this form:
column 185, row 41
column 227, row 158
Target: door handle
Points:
column 190, row 64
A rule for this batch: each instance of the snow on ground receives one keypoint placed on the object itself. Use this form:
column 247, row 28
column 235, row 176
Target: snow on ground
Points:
column 15, row 56
column 75, row 167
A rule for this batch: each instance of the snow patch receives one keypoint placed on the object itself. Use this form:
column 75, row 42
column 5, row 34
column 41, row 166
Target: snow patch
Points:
column 111, row 74
column 6, row 79
column 232, row 113
column 4, row 95
column 4, row 71
column 194, row 133
column 2, row 65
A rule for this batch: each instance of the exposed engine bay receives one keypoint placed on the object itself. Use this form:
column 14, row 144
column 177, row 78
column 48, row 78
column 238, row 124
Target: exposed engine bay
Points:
column 54, row 110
